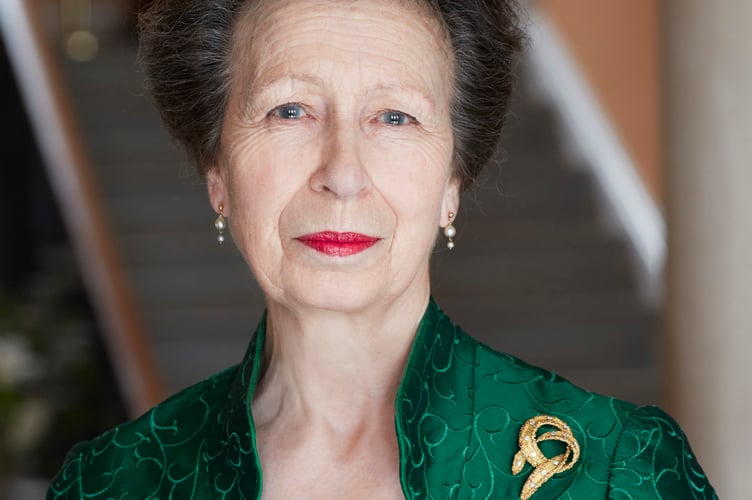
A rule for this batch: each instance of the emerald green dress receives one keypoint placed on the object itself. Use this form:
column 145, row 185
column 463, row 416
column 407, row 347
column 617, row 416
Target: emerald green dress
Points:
column 462, row 415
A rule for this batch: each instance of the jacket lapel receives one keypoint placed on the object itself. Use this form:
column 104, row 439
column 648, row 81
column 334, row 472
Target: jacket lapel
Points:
column 234, row 465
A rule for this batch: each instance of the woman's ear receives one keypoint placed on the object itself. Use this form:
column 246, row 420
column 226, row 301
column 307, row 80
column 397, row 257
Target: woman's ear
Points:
column 451, row 202
column 216, row 188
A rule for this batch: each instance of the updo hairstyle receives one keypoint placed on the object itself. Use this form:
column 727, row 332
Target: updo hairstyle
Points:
column 186, row 48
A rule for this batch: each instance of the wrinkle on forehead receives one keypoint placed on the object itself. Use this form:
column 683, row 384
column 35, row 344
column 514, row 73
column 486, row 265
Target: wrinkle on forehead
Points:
column 248, row 44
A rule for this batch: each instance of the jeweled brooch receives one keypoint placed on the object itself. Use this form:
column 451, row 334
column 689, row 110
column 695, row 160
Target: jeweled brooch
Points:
column 544, row 467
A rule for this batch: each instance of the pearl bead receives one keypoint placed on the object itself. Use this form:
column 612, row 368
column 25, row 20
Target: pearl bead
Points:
column 221, row 239
column 220, row 223
column 450, row 245
column 450, row 231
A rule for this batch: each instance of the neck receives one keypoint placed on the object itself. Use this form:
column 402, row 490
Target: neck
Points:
column 338, row 369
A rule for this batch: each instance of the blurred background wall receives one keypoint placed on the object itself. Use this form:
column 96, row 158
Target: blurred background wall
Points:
column 618, row 46
column 675, row 77
column 627, row 153
column 708, row 111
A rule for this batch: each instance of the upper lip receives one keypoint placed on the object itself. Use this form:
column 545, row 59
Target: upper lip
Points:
column 338, row 237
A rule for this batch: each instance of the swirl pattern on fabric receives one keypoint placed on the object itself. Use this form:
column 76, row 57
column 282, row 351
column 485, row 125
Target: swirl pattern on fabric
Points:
column 460, row 407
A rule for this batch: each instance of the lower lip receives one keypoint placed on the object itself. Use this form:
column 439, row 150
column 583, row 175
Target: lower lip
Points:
column 338, row 244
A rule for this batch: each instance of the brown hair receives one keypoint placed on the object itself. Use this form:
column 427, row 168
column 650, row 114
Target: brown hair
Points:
column 186, row 47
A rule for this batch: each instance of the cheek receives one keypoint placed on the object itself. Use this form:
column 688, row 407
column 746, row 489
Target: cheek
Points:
column 412, row 178
column 264, row 178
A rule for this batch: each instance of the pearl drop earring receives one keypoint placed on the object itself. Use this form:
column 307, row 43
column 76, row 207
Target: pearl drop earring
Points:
column 450, row 232
column 220, row 223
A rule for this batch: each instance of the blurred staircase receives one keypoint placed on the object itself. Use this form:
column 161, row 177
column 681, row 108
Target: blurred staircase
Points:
column 536, row 272
column 540, row 270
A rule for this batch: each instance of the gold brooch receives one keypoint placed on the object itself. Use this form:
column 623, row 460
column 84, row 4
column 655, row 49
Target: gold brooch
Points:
column 545, row 467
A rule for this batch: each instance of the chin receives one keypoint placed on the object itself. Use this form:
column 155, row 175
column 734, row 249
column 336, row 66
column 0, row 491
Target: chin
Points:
column 352, row 286
column 336, row 296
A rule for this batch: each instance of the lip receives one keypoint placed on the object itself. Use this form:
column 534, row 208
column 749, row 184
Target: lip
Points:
column 336, row 244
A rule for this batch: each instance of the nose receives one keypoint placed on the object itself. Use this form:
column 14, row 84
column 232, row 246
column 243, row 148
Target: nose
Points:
column 342, row 172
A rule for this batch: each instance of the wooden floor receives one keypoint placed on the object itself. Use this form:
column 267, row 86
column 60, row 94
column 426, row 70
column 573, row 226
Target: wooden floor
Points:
column 536, row 272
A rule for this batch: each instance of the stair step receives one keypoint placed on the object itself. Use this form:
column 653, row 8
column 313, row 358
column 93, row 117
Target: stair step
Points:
column 598, row 344
column 195, row 286
column 103, row 113
column 175, row 213
column 604, row 267
column 115, row 146
column 488, row 234
column 185, row 362
column 478, row 312
column 147, row 177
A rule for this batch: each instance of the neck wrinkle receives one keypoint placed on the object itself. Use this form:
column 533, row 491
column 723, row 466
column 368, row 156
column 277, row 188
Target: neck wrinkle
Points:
column 334, row 369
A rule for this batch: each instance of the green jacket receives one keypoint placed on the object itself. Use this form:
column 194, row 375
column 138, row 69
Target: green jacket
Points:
column 460, row 409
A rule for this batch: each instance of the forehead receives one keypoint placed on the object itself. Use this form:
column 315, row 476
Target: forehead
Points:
column 400, row 41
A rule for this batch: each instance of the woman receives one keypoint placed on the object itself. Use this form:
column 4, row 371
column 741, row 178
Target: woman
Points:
column 336, row 137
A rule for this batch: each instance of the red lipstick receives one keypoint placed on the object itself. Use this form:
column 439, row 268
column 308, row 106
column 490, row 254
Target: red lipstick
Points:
column 338, row 244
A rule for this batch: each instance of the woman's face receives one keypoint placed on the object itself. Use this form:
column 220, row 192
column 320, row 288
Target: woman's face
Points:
column 337, row 148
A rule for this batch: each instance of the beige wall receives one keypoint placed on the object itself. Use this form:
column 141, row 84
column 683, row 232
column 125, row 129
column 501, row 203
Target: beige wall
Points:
column 706, row 149
column 618, row 45
column 709, row 204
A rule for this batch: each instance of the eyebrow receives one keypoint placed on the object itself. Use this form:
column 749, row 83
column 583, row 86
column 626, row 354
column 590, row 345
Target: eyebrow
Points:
column 263, row 85
column 270, row 82
column 425, row 96
column 254, row 88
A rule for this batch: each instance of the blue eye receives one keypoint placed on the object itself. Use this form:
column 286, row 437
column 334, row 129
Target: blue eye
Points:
column 392, row 117
column 289, row 112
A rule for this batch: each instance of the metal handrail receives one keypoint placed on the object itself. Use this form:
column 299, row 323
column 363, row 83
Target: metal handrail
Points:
column 70, row 174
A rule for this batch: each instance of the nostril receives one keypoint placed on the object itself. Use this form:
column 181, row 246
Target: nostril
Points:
column 342, row 171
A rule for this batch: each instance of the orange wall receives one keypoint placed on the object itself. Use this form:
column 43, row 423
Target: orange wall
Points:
column 618, row 45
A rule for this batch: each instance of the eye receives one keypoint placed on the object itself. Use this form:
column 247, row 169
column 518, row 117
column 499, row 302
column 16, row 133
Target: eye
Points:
column 393, row 117
column 290, row 111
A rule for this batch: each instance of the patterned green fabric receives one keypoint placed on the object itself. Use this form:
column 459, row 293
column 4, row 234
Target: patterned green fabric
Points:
column 460, row 407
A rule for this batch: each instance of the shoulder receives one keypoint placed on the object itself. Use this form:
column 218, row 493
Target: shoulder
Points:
column 529, row 389
column 161, row 447
column 654, row 458
column 626, row 451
